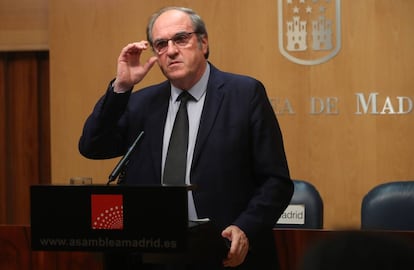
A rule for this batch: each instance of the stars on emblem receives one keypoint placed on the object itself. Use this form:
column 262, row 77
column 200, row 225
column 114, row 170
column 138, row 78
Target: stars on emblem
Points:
column 295, row 10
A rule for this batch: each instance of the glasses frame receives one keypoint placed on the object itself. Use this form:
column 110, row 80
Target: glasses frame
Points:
column 174, row 39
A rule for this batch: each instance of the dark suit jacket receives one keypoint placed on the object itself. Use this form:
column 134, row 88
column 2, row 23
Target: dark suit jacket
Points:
column 239, row 165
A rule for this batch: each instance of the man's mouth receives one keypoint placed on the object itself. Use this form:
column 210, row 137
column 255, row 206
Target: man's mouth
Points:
column 174, row 63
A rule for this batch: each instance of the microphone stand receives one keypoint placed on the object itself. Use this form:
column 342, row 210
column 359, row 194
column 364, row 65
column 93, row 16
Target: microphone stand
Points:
column 123, row 162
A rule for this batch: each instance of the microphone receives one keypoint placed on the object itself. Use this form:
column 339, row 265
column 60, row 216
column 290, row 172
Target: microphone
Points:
column 124, row 160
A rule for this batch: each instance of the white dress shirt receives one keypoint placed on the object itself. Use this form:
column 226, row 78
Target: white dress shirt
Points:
column 194, row 109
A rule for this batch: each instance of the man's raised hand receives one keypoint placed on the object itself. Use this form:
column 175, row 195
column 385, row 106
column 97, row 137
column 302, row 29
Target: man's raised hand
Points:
column 130, row 70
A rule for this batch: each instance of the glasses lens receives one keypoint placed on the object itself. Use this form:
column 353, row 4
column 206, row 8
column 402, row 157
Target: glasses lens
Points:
column 181, row 39
column 161, row 45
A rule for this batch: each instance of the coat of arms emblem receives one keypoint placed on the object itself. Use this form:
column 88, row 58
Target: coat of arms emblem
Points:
column 309, row 30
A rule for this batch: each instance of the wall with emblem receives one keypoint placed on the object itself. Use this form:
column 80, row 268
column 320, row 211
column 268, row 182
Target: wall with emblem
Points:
column 338, row 73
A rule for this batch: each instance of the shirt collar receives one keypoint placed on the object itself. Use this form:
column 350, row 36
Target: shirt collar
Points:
column 198, row 90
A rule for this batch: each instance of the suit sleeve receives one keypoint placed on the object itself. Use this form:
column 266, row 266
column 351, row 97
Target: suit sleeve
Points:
column 274, row 187
column 104, row 130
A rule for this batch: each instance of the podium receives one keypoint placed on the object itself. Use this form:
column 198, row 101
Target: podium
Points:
column 151, row 220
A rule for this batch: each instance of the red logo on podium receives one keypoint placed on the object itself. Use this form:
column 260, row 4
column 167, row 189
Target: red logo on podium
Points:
column 107, row 212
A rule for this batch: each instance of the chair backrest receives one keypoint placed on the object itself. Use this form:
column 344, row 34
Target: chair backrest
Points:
column 389, row 206
column 358, row 250
column 305, row 209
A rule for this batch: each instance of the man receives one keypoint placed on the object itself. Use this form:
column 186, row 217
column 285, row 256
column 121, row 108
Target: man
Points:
column 235, row 156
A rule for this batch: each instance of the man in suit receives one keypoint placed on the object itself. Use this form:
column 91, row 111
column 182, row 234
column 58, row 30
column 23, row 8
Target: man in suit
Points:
column 235, row 156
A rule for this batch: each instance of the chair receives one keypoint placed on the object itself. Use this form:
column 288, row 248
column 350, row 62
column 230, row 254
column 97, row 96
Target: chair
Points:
column 389, row 206
column 358, row 250
column 305, row 209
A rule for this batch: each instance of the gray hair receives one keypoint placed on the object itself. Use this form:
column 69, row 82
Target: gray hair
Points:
column 199, row 26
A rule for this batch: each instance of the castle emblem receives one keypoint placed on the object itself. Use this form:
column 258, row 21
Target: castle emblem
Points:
column 309, row 30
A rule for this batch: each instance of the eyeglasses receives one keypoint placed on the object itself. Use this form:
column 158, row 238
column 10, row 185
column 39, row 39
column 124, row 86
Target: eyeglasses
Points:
column 180, row 39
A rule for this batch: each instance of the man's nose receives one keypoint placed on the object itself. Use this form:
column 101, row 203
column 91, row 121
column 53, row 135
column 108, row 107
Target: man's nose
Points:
column 172, row 48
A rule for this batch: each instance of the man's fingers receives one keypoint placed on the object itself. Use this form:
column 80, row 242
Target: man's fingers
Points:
column 239, row 246
column 133, row 49
column 151, row 61
column 142, row 45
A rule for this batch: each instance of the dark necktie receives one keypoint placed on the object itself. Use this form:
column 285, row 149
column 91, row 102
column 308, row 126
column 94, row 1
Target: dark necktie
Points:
column 176, row 161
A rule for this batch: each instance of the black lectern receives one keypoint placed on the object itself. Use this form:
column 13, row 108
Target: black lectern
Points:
column 152, row 220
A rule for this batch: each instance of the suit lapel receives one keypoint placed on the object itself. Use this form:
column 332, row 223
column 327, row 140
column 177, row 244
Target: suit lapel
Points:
column 155, row 126
column 158, row 113
column 212, row 104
